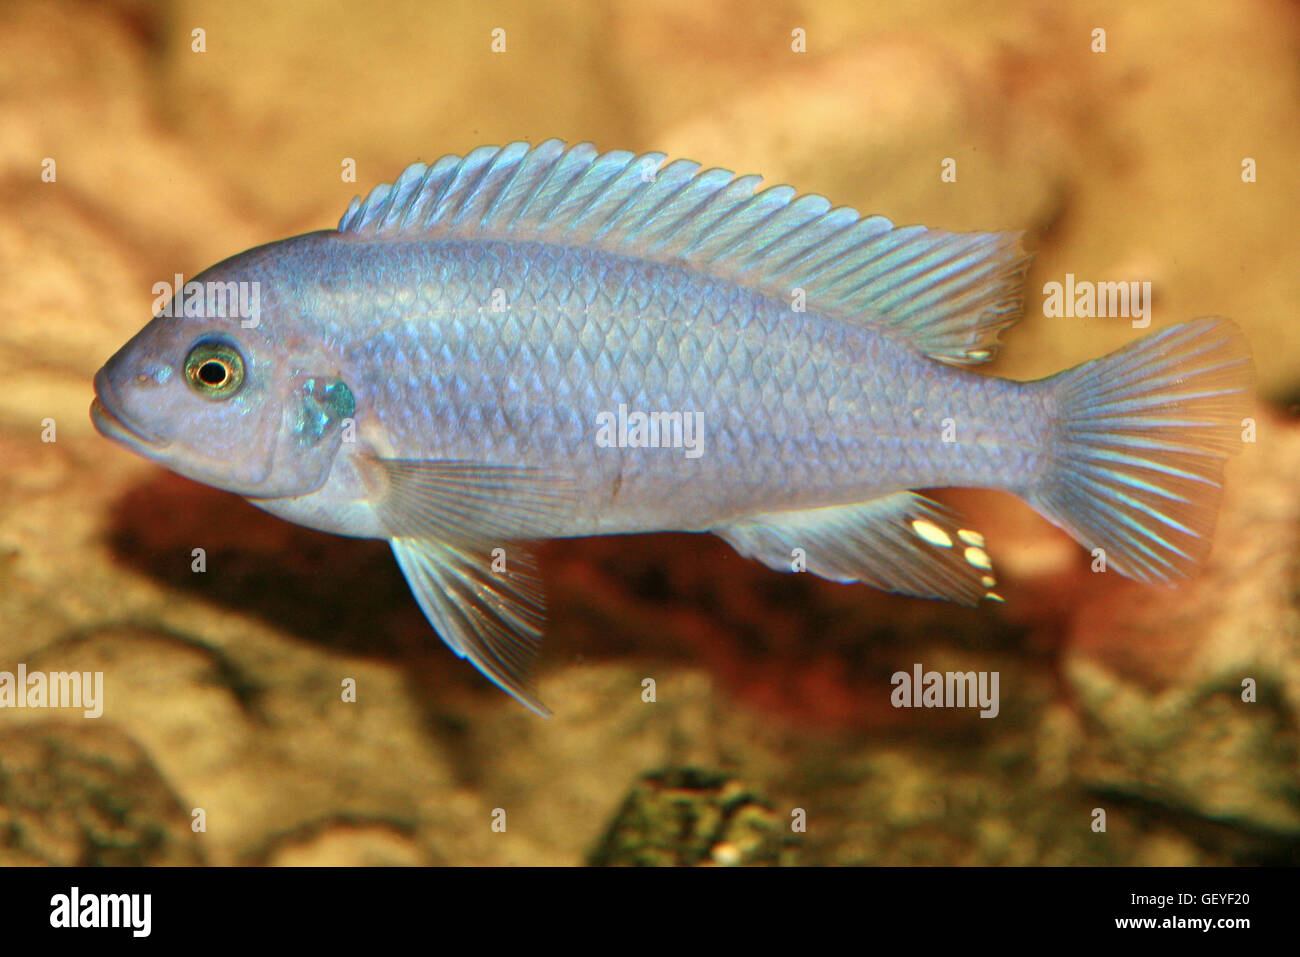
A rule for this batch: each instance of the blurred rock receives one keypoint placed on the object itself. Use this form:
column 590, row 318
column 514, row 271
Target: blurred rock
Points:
column 414, row 83
column 692, row 817
column 347, row 844
column 85, row 794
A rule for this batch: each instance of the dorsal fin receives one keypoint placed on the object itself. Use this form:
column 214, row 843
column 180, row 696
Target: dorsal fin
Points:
column 947, row 294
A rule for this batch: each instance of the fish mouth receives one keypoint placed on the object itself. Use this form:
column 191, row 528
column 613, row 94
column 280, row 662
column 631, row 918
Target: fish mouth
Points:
column 113, row 426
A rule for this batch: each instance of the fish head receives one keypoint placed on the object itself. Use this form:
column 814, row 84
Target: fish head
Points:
column 248, row 407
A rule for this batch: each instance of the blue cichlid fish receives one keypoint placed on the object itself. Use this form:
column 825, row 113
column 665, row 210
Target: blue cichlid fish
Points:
column 530, row 343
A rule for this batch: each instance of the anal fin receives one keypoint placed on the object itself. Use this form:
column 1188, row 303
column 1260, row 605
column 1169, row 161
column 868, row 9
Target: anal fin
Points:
column 901, row 542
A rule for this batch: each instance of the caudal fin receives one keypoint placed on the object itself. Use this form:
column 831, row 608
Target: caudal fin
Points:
column 1136, row 458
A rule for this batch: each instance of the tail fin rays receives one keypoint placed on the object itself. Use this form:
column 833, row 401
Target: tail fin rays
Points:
column 1140, row 444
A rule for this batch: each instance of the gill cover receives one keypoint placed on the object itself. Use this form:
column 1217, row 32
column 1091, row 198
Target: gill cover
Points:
column 317, row 418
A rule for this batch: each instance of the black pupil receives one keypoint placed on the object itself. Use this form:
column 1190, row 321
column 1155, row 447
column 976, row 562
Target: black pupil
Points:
column 212, row 372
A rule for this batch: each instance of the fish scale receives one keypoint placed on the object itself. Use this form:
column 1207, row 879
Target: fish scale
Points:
column 464, row 365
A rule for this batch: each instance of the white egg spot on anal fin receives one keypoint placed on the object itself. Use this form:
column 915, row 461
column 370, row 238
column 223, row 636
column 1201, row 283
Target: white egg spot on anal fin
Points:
column 931, row 533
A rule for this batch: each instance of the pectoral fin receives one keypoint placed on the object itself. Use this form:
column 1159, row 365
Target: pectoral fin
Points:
column 902, row 542
column 492, row 618
column 466, row 501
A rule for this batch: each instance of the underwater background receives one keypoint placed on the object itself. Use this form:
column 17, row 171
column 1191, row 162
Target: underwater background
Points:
column 1163, row 149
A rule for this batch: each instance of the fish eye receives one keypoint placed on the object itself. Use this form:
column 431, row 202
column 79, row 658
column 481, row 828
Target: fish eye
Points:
column 214, row 369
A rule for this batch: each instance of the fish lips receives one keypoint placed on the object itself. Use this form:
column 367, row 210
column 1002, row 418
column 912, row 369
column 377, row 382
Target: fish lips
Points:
column 113, row 426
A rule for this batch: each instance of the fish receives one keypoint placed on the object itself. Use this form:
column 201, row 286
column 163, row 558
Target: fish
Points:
column 537, row 342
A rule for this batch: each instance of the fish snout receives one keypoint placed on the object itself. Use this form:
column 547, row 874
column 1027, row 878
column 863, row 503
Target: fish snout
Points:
column 112, row 422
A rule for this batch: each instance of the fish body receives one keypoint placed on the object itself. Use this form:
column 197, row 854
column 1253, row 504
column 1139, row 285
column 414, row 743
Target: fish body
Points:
column 795, row 410
column 531, row 343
